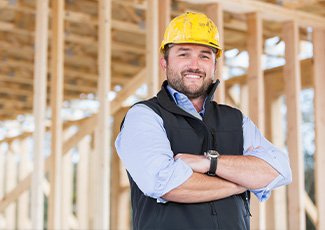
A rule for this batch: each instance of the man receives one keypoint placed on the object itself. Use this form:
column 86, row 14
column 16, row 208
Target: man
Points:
column 192, row 162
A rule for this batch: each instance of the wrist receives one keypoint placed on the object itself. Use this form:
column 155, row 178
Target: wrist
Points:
column 212, row 156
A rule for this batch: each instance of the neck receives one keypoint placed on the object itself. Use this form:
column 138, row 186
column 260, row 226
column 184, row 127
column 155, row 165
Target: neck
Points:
column 198, row 103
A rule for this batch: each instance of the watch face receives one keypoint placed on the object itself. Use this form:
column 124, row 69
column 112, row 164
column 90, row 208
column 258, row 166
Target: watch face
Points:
column 213, row 153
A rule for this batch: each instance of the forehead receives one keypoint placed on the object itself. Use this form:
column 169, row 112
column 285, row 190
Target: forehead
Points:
column 191, row 47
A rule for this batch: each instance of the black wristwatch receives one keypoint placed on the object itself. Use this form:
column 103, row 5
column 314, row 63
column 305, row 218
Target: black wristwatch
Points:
column 212, row 155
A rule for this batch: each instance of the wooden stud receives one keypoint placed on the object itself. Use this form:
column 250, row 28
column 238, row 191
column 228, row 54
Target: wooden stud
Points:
column 2, row 179
column 103, row 151
column 87, row 126
column 11, row 174
column 163, row 20
column 215, row 12
column 120, row 215
column 296, row 190
column 24, row 169
column 39, row 106
column 83, row 182
column 319, row 82
column 92, row 180
column 57, row 66
column 311, row 210
column 276, row 206
column 255, row 81
column 66, row 207
column 152, row 47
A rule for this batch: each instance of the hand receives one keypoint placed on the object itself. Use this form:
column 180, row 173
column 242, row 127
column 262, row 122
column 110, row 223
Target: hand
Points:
column 198, row 163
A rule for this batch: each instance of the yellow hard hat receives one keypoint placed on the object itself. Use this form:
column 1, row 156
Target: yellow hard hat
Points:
column 194, row 28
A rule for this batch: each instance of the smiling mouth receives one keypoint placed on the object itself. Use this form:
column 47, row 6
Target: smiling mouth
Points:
column 192, row 76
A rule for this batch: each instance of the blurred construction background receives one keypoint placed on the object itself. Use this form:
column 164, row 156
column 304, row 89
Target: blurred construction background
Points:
column 70, row 69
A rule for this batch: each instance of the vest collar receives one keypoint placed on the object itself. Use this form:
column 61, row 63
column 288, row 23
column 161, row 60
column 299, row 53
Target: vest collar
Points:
column 166, row 100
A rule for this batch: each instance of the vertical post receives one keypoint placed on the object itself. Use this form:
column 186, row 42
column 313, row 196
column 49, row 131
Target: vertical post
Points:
column 120, row 211
column 92, row 183
column 152, row 47
column 276, row 206
column 255, row 80
column 164, row 18
column 24, row 170
column 215, row 12
column 66, row 207
column 244, row 98
column 103, row 136
column 292, row 77
column 2, row 179
column 115, row 182
column 11, row 171
column 39, row 106
column 83, row 182
column 319, row 82
column 57, row 66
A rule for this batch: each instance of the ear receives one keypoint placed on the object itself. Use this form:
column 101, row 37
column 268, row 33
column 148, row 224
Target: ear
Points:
column 163, row 63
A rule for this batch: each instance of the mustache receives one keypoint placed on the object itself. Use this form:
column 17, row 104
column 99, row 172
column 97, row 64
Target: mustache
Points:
column 193, row 71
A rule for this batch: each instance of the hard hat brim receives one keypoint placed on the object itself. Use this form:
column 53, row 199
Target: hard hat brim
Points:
column 219, row 50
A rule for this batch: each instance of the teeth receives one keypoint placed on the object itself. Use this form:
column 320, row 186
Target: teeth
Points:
column 193, row 76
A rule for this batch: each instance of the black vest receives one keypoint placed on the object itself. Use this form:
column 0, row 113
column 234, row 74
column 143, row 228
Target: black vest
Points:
column 221, row 129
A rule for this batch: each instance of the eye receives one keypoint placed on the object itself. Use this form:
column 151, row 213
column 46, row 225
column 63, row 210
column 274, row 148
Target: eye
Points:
column 205, row 57
column 182, row 54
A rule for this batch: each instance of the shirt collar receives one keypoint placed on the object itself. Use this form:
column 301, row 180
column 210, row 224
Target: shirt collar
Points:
column 184, row 102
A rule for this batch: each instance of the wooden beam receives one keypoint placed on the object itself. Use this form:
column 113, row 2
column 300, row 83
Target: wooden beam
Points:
column 118, row 212
column 311, row 210
column 10, row 183
column 103, row 132
column 87, row 127
column 256, row 113
column 215, row 12
column 276, row 74
column 163, row 20
column 40, row 78
column 83, row 183
column 152, row 47
column 57, row 65
column 66, row 207
column 319, row 82
column 276, row 206
column 3, row 4
column 292, row 92
column 2, row 180
column 128, row 90
column 25, row 168
column 268, row 11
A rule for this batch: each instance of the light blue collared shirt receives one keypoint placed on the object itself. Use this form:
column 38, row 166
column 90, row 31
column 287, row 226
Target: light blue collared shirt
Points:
column 146, row 153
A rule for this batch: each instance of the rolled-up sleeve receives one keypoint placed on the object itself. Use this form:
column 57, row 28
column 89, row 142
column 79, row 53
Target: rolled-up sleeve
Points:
column 145, row 151
column 266, row 151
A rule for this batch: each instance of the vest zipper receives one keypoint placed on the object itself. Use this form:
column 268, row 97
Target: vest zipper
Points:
column 214, row 215
column 246, row 203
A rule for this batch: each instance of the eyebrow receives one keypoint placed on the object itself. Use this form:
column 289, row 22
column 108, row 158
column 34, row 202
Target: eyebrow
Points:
column 188, row 49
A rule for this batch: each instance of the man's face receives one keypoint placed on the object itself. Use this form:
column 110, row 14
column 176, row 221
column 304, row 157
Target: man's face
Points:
column 190, row 69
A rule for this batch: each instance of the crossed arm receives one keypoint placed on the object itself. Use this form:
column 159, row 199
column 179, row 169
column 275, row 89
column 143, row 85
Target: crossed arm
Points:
column 235, row 174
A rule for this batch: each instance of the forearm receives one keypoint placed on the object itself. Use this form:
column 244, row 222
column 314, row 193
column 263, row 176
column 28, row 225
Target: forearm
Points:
column 202, row 188
column 248, row 171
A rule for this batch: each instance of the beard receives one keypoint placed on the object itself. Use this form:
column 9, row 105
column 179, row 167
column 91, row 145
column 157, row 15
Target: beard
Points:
column 177, row 81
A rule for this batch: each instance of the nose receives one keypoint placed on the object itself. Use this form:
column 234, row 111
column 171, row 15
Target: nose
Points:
column 194, row 63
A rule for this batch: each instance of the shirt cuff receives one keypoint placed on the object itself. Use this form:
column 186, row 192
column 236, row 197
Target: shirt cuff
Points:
column 264, row 193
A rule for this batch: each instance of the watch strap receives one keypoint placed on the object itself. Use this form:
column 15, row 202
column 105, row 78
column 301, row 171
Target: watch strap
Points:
column 213, row 166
